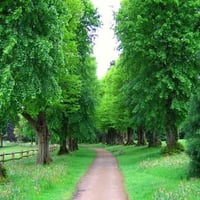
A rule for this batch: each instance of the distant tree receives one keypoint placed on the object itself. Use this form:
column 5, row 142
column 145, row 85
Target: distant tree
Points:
column 111, row 111
column 7, row 120
column 24, row 132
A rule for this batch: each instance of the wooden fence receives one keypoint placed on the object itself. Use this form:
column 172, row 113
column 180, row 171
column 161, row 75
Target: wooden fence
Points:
column 4, row 157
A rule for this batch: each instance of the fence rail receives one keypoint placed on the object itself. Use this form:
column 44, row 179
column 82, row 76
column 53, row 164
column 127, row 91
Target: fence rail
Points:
column 4, row 157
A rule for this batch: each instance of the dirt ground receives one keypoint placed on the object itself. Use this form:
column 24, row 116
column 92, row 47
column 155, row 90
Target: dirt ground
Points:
column 103, row 181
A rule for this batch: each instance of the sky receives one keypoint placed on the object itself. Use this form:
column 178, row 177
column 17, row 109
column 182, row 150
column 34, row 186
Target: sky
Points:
column 105, row 43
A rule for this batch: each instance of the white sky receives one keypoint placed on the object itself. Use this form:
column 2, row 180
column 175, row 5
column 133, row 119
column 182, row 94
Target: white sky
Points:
column 105, row 43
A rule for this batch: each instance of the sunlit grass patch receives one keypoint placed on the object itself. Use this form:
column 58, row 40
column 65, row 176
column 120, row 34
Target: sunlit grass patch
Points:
column 174, row 161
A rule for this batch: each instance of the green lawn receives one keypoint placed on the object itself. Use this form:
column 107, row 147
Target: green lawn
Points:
column 151, row 176
column 9, row 148
column 56, row 181
column 148, row 175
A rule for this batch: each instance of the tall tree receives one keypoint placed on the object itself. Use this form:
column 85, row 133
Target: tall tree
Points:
column 74, row 111
column 32, row 55
column 159, row 40
column 82, row 122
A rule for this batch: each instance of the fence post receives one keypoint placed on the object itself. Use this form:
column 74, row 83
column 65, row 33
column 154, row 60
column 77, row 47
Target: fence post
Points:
column 21, row 154
column 3, row 157
column 13, row 156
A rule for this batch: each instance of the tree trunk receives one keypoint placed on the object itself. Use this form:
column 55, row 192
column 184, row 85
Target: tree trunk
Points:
column 43, row 136
column 70, row 144
column 73, row 144
column 1, row 141
column 111, row 136
column 43, row 140
column 141, row 137
column 130, row 138
column 63, row 138
column 154, row 140
column 172, row 137
column 171, row 129
column 76, row 144
column 63, row 146
column 121, row 138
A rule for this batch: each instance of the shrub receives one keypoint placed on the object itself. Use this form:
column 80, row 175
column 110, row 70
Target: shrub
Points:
column 3, row 173
column 178, row 148
column 192, row 129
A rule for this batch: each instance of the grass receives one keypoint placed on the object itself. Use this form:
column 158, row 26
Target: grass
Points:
column 56, row 181
column 151, row 176
column 148, row 175
column 9, row 148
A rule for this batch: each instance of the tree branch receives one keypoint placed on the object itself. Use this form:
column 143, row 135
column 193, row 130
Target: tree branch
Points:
column 31, row 121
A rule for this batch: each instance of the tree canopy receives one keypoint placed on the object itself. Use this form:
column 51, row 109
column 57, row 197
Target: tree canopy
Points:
column 44, row 54
column 159, row 42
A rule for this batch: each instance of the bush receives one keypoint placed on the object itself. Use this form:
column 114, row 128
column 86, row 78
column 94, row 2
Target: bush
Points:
column 178, row 148
column 194, row 153
column 3, row 173
column 192, row 129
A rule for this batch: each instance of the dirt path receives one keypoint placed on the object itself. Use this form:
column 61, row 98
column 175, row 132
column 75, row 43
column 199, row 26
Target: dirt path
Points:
column 103, row 181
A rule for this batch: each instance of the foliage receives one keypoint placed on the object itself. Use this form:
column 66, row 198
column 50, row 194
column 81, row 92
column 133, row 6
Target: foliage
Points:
column 112, row 110
column 45, row 54
column 191, row 127
column 159, row 42
column 30, row 51
column 24, row 131
column 82, row 122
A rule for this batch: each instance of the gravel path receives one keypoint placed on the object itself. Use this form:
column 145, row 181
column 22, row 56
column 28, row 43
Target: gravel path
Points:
column 103, row 181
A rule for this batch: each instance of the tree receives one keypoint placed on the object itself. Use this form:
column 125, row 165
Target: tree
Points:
column 7, row 120
column 112, row 112
column 159, row 40
column 72, row 117
column 82, row 122
column 59, row 115
column 32, row 54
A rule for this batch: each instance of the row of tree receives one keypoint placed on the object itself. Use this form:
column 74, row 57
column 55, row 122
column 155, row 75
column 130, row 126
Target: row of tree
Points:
column 148, row 89
column 47, row 73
